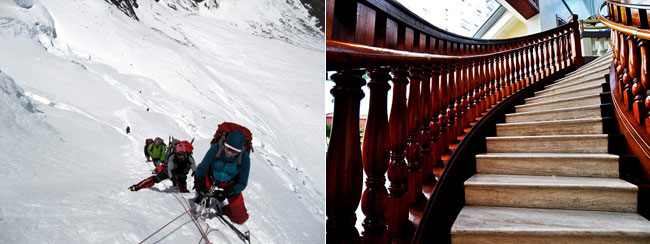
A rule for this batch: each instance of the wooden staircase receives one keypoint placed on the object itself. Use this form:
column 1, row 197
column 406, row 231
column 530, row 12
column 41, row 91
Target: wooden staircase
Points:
column 549, row 175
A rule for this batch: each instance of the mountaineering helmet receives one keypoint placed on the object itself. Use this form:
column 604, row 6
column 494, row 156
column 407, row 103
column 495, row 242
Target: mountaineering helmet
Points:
column 180, row 150
column 235, row 141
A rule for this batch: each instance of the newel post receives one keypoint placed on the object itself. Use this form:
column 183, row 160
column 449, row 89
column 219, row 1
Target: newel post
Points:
column 397, row 212
column 576, row 49
column 343, row 162
column 376, row 152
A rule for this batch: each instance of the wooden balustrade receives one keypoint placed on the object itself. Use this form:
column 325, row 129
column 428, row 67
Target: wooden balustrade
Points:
column 441, row 84
column 630, row 80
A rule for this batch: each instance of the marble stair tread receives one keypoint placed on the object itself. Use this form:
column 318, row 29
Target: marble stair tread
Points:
column 582, row 91
column 596, row 143
column 559, row 164
column 555, row 127
column 537, row 181
column 589, row 111
column 571, row 86
column 560, row 103
column 585, row 75
column 557, row 192
column 524, row 225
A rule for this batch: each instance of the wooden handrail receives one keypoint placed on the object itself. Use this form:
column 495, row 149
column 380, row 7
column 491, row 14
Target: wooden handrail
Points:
column 388, row 24
column 629, row 80
column 449, row 88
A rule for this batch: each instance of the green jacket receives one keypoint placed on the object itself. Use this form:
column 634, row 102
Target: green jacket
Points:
column 157, row 152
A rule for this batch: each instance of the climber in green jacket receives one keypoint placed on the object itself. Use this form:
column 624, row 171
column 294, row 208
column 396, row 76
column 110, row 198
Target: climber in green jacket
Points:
column 157, row 150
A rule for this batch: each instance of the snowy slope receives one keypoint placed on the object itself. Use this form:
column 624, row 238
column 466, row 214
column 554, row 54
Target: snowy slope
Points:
column 74, row 74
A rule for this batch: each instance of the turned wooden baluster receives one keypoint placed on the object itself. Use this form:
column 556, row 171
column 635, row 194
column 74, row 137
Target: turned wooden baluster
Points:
column 461, row 112
column 638, row 105
column 444, row 120
column 344, row 163
column 434, row 127
column 507, row 74
column 627, row 75
column 615, row 46
column 425, row 136
column 501, row 78
column 547, row 56
column 567, row 47
column 376, row 152
column 524, row 66
column 645, row 80
column 397, row 212
column 413, row 141
column 558, row 52
column 484, row 87
column 621, row 69
column 539, row 60
column 451, row 113
column 492, row 83
column 561, row 52
column 475, row 81
column 467, row 104
column 530, row 70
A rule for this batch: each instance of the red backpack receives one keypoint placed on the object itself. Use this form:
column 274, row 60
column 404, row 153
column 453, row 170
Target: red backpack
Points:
column 227, row 127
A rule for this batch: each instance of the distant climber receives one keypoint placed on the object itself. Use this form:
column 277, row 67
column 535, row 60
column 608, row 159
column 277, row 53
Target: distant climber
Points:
column 128, row 130
column 147, row 109
column 223, row 172
column 157, row 151
column 176, row 168
column 147, row 142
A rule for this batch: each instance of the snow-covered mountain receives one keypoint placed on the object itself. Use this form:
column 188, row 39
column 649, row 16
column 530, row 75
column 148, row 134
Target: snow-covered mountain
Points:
column 75, row 73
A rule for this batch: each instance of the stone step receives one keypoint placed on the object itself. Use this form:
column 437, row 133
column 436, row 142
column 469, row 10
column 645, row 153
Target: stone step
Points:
column 560, row 103
column 584, row 75
column 559, row 164
column 599, row 63
column 570, row 86
column 590, row 111
column 590, row 90
column 484, row 224
column 549, row 144
column 556, row 127
column 557, row 192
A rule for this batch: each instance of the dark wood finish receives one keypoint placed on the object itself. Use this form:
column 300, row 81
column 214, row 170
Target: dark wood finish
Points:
column 526, row 8
column 376, row 152
column 447, row 93
column 365, row 29
column 397, row 212
column 413, row 141
column 343, row 162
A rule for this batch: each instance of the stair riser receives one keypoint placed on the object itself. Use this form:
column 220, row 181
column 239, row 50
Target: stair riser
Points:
column 585, row 127
column 593, row 100
column 605, row 168
column 554, row 145
column 569, row 87
column 571, row 114
column 599, row 199
column 569, row 94
column 541, row 238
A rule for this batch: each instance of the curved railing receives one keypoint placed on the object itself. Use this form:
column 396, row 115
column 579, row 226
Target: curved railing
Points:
column 446, row 94
column 629, row 80
column 388, row 24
